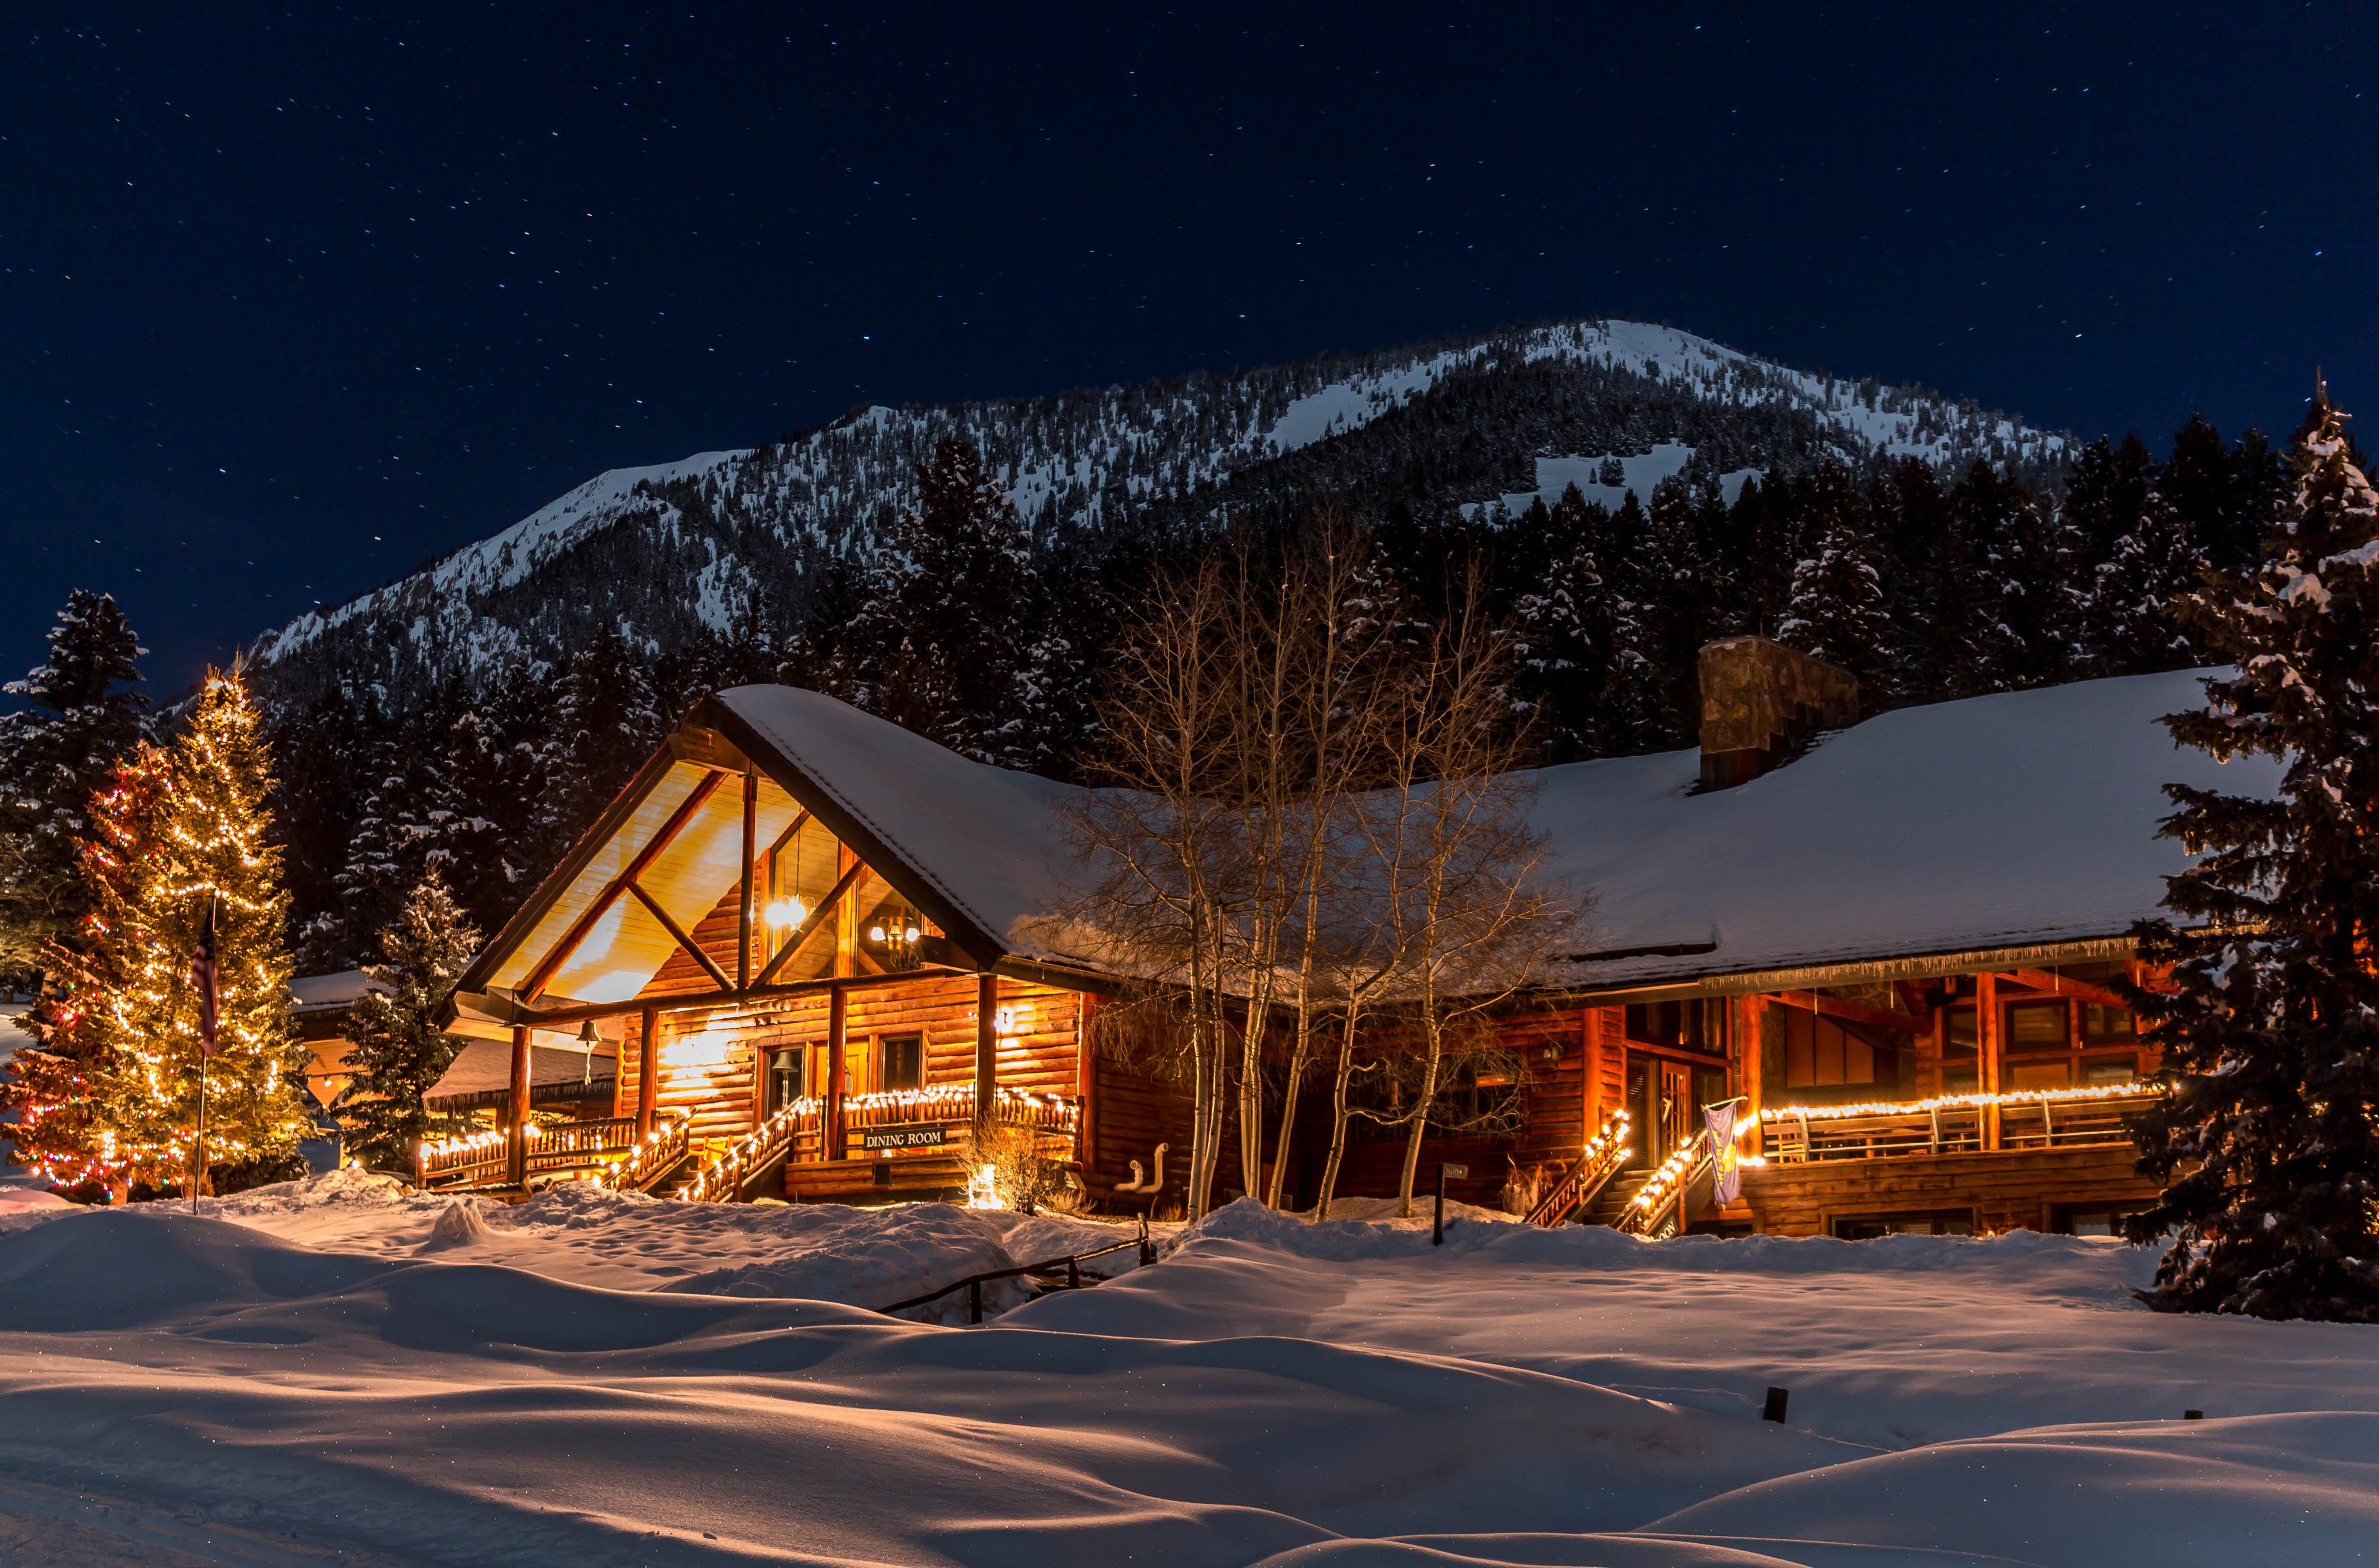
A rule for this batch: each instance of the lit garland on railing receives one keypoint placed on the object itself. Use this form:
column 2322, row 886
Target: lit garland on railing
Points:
column 2135, row 1091
column 1666, row 1178
column 664, row 1144
column 725, row 1170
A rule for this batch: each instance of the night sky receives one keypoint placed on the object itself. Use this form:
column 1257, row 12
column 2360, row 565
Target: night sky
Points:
column 289, row 305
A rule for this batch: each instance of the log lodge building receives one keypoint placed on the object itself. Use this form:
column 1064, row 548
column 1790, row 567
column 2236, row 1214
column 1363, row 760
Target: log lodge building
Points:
column 805, row 949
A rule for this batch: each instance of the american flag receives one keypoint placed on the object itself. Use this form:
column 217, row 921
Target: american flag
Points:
column 203, row 979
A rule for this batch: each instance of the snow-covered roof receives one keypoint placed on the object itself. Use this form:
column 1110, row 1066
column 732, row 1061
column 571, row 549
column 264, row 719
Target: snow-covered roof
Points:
column 2018, row 819
column 2026, row 819
column 485, row 1065
column 325, row 993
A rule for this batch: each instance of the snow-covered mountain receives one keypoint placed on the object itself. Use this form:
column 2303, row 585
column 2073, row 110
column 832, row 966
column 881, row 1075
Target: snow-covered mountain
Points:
column 659, row 551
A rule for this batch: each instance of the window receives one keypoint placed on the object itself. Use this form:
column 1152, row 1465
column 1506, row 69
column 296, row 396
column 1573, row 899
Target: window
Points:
column 2036, row 1026
column 1819, row 1052
column 2089, row 1219
column 2100, row 1023
column 2110, row 1070
column 1691, row 1026
column 784, row 1077
column 902, row 1062
column 2057, row 1074
column 1928, row 1222
column 1960, row 1073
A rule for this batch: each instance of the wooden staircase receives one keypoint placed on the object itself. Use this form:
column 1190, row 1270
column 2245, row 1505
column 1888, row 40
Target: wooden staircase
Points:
column 1581, row 1186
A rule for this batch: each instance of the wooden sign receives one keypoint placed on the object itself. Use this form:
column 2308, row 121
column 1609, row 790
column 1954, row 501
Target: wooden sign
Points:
column 1458, row 1173
column 904, row 1135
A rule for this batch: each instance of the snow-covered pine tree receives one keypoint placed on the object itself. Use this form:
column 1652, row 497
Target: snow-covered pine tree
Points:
column 2201, row 482
column 606, row 721
column 2130, row 627
column 124, row 855
column 1562, row 642
column 399, row 1049
column 1836, row 612
column 479, row 816
column 2267, row 1142
column 216, row 847
column 2038, row 559
column 56, row 754
column 947, row 613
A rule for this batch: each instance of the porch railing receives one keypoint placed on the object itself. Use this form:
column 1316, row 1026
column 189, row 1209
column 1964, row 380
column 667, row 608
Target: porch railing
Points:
column 484, row 1159
column 795, row 1133
column 2049, row 1119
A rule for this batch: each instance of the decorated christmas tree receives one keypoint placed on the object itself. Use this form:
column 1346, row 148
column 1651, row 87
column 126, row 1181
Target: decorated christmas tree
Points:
column 2267, row 1144
column 61, row 1134
column 399, row 1049
column 212, row 849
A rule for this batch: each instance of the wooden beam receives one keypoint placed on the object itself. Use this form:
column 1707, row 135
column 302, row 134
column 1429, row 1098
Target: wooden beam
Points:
column 2041, row 980
column 838, row 1038
column 801, row 820
column 810, row 927
column 532, row 987
column 678, row 933
column 726, row 997
column 1850, row 1012
column 987, row 1043
column 649, row 1087
column 1987, row 1051
column 1086, row 1085
column 743, row 890
column 516, row 1113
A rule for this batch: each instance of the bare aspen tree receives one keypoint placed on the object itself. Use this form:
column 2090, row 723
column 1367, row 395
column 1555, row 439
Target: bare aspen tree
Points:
column 1464, row 916
column 1157, row 848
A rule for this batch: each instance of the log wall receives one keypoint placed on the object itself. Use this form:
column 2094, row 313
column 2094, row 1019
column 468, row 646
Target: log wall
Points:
column 2005, row 1190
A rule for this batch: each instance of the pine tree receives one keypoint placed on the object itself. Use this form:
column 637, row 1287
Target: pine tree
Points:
column 55, row 756
column 2038, row 560
column 2267, row 1143
column 2132, row 629
column 479, row 816
column 125, row 857
column 2202, row 483
column 606, row 722
column 1836, row 612
column 939, row 643
column 1562, row 645
column 215, row 847
column 399, row 1049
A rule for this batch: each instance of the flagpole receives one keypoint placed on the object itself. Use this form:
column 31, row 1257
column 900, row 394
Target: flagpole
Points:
column 198, row 1175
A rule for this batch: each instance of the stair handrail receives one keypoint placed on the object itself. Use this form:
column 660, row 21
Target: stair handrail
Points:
column 663, row 1148
column 1667, row 1186
column 723, row 1174
column 1595, row 1164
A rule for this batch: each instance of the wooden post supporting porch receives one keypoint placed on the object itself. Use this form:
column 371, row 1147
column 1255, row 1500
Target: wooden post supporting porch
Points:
column 1986, row 1050
column 838, row 1030
column 1752, row 1067
column 516, row 1113
column 987, row 1043
column 649, row 1087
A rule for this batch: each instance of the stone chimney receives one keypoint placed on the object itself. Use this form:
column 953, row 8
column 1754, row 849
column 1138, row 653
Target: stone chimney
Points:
column 1760, row 701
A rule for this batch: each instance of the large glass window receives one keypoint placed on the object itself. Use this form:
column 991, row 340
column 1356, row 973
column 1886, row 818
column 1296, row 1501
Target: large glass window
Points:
column 1690, row 1025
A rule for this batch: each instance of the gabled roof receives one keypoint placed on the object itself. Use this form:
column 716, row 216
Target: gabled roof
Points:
column 2026, row 819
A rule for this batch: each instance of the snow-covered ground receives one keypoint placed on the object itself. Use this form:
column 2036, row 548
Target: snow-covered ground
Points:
column 340, row 1372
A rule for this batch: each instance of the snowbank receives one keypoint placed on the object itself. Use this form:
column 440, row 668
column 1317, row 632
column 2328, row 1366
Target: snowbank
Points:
column 1274, row 1391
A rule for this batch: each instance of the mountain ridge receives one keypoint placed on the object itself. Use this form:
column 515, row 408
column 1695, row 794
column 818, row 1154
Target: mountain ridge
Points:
column 658, row 550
